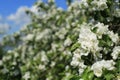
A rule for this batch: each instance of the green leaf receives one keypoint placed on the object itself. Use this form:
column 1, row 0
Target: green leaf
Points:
column 97, row 79
column 118, row 66
column 94, row 29
column 90, row 76
column 76, row 77
column 75, row 46
column 105, row 41
column 109, row 76
column 87, row 74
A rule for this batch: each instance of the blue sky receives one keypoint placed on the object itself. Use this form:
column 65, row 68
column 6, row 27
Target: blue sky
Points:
column 11, row 9
column 10, row 6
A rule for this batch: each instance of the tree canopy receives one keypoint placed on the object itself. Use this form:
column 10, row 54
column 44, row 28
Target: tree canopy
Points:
column 80, row 43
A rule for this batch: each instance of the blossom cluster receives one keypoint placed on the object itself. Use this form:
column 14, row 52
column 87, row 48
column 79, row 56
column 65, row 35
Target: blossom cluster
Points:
column 90, row 40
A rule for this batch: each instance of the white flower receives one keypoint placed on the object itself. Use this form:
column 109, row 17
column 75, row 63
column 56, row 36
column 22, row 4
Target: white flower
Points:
column 98, row 72
column 77, row 61
column 7, row 58
column 80, row 64
column 114, row 37
column 9, row 51
column 83, row 2
column 116, row 52
column 67, row 67
column 118, row 77
column 67, row 42
column 81, row 67
column 81, row 79
column 101, row 29
column 26, row 76
column 99, row 65
column 42, row 67
column 67, row 52
column 29, row 37
column 97, row 69
column 109, row 64
column 117, row 12
column 77, row 53
column 4, row 70
column 52, row 64
column 99, row 4
column 81, row 70
column 41, row 35
column 88, row 39
column 61, row 33
column 67, row 74
column 1, row 62
column 54, row 46
column 80, row 52
column 44, row 58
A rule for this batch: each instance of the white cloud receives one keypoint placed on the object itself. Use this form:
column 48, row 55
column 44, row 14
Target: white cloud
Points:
column 34, row 9
column 4, row 27
column 0, row 18
column 20, row 17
